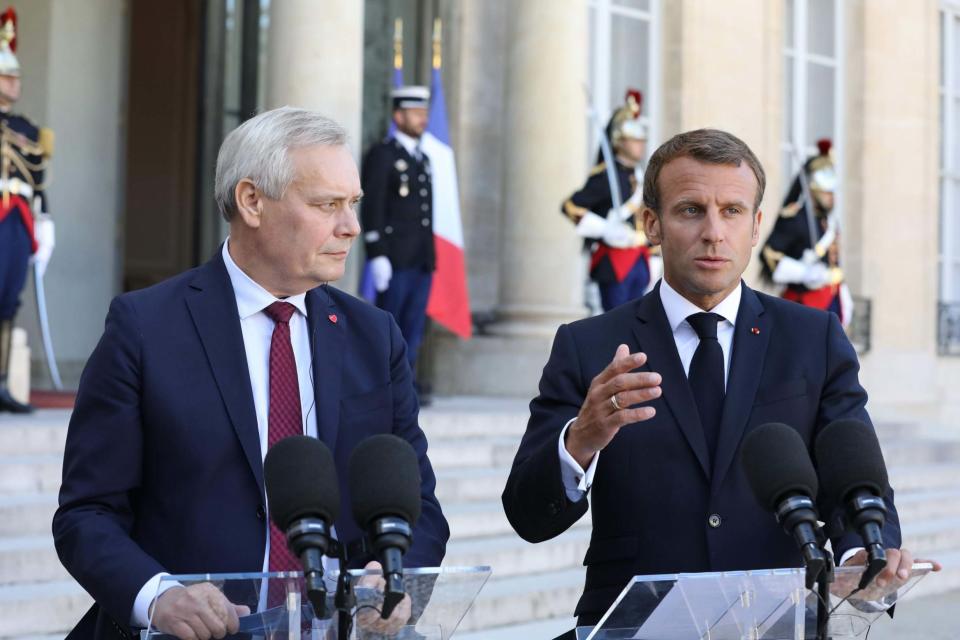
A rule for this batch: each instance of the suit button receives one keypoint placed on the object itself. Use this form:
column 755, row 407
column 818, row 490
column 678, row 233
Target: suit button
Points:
column 554, row 508
column 422, row 178
column 425, row 222
column 423, row 192
column 424, row 207
column 714, row 521
column 388, row 229
column 261, row 512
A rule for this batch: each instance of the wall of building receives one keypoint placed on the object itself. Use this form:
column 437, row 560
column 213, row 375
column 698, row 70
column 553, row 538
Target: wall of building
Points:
column 72, row 58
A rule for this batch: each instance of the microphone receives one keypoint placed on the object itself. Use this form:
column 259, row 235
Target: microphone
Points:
column 854, row 477
column 301, row 484
column 384, row 477
column 783, row 479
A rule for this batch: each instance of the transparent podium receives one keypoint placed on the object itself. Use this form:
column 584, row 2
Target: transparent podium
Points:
column 743, row 605
column 279, row 608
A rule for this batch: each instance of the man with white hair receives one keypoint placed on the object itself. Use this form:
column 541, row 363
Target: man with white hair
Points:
column 196, row 377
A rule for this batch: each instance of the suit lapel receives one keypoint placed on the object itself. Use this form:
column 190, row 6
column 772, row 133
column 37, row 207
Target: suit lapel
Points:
column 656, row 340
column 213, row 307
column 327, row 330
column 751, row 336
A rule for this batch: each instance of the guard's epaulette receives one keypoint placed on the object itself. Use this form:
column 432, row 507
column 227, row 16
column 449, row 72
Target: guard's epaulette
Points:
column 791, row 209
column 598, row 169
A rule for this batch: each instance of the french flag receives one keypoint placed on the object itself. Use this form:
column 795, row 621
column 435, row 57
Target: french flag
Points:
column 449, row 303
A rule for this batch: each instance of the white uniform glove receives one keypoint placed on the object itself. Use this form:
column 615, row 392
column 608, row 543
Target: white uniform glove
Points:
column 382, row 272
column 591, row 226
column 43, row 230
column 812, row 275
column 619, row 234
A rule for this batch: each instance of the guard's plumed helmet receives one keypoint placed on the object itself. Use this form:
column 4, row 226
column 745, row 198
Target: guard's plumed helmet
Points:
column 820, row 168
column 9, row 65
column 626, row 119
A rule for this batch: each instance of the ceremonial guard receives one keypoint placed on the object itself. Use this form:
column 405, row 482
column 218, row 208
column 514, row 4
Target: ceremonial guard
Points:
column 802, row 252
column 26, row 230
column 610, row 226
column 398, row 218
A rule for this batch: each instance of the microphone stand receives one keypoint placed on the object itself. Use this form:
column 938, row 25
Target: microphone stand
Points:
column 344, row 601
column 824, row 579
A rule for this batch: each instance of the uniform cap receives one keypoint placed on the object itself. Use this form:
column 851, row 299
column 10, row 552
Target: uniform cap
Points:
column 410, row 97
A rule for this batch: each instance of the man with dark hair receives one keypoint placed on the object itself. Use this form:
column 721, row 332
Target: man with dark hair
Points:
column 666, row 388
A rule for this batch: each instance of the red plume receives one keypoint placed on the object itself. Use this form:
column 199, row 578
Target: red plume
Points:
column 10, row 16
column 824, row 145
column 634, row 97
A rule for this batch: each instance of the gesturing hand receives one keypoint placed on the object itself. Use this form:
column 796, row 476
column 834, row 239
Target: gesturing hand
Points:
column 606, row 407
column 369, row 619
column 197, row 612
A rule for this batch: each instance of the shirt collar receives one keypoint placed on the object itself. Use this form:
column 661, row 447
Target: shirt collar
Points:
column 679, row 308
column 409, row 143
column 251, row 297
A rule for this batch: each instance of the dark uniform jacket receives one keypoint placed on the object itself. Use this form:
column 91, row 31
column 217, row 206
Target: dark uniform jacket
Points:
column 660, row 504
column 397, row 208
column 22, row 164
column 595, row 196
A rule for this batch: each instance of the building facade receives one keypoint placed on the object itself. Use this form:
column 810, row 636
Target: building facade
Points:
column 140, row 99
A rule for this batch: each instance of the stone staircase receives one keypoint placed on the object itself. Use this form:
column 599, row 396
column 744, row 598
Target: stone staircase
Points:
column 472, row 442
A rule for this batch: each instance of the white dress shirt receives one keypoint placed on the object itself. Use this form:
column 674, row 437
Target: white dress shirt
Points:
column 411, row 144
column 257, row 329
column 576, row 480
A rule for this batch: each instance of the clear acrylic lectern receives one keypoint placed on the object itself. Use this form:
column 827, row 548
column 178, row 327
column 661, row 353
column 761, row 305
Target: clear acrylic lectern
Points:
column 280, row 610
column 742, row 605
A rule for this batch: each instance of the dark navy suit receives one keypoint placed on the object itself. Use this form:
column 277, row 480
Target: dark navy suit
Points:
column 655, row 487
column 163, row 471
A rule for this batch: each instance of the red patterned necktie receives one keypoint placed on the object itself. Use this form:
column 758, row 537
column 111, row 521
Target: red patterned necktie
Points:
column 284, row 417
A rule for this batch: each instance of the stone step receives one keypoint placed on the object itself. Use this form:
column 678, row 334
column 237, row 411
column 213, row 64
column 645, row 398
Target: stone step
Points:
column 43, row 432
column 913, row 506
column 26, row 474
column 487, row 452
column 477, row 519
column 29, row 559
column 521, row 599
column 924, row 477
column 41, row 609
column 509, row 555
column 470, row 485
column 540, row 630
column 917, row 451
column 23, row 514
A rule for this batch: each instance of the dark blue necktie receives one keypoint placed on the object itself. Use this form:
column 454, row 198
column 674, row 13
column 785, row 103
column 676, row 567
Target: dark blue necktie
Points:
column 706, row 377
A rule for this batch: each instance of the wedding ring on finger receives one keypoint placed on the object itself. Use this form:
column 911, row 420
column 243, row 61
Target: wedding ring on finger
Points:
column 613, row 401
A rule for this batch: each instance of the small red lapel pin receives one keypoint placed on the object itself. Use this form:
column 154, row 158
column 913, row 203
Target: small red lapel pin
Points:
column 333, row 318
column 755, row 331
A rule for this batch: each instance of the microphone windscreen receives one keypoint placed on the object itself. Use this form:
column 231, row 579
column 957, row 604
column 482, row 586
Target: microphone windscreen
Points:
column 301, row 481
column 384, row 477
column 776, row 462
column 849, row 458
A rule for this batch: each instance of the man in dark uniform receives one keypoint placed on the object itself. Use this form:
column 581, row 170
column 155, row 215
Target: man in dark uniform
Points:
column 25, row 228
column 398, row 218
column 802, row 251
column 618, row 247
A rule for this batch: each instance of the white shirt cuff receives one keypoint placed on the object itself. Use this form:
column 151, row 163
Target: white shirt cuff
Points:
column 576, row 481
column 849, row 553
column 140, row 616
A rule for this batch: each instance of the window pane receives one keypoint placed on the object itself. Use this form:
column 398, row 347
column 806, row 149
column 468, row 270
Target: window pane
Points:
column 819, row 107
column 955, row 54
column 788, row 23
column 953, row 213
column 820, row 14
column 943, row 45
column 953, row 294
column 954, row 150
column 629, row 52
column 643, row 5
column 788, row 89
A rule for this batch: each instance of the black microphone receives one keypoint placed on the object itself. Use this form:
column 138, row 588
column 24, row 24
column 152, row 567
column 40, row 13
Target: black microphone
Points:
column 854, row 477
column 304, row 498
column 385, row 493
column 783, row 479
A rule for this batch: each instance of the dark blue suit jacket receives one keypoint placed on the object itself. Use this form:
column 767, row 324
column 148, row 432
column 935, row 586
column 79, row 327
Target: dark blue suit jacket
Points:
column 163, row 471
column 655, row 485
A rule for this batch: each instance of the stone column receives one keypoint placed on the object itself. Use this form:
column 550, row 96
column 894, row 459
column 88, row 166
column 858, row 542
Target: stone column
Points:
column 520, row 72
column 892, row 218
column 315, row 61
column 545, row 142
